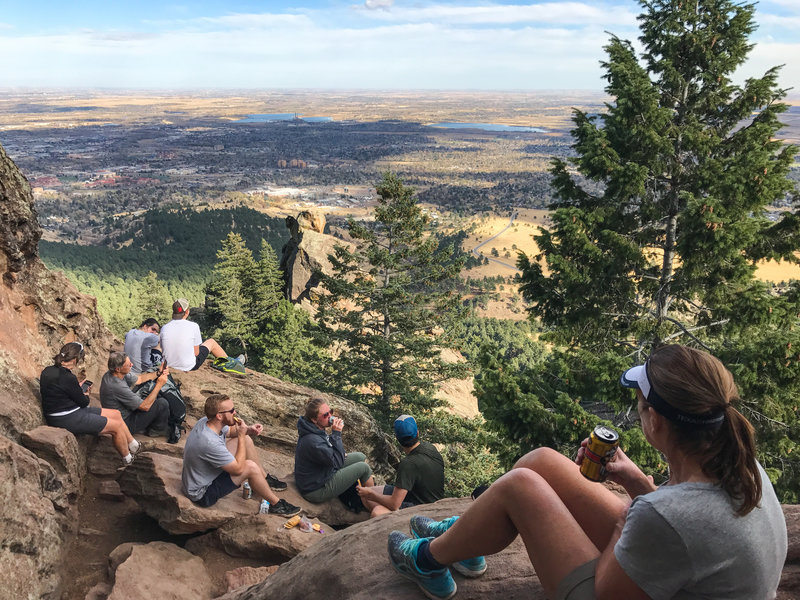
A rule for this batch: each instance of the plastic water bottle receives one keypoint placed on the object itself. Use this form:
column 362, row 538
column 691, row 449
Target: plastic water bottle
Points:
column 264, row 508
column 247, row 491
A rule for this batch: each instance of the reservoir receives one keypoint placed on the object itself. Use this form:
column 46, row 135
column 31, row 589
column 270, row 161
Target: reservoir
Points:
column 490, row 127
column 268, row 118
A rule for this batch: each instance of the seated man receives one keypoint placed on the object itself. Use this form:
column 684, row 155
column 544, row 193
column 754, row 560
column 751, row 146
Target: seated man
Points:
column 182, row 344
column 220, row 456
column 149, row 415
column 420, row 475
column 322, row 470
column 139, row 343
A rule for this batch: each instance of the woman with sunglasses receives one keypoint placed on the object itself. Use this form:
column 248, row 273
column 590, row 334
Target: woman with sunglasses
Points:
column 65, row 404
column 714, row 530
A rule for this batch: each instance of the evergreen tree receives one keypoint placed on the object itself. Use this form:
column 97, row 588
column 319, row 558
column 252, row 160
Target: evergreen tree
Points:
column 656, row 238
column 152, row 299
column 386, row 302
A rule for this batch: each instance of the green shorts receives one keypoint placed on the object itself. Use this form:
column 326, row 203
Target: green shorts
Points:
column 579, row 584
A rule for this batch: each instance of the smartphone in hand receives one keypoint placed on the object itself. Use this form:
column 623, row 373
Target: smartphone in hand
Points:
column 86, row 385
column 162, row 367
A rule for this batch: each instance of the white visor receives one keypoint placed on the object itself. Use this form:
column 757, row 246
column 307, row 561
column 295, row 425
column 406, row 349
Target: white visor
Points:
column 636, row 378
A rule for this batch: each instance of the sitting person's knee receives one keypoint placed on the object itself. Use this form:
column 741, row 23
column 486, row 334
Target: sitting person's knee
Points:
column 538, row 458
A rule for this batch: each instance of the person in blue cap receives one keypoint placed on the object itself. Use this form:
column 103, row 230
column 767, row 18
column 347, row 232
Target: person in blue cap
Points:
column 420, row 475
column 715, row 530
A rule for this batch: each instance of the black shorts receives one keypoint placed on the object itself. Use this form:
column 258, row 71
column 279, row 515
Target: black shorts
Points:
column 84, row 420
column 219, row 488
column 202, row 355
column 388, row 490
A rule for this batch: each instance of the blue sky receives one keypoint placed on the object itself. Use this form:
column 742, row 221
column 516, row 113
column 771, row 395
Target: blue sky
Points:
column 333, row 44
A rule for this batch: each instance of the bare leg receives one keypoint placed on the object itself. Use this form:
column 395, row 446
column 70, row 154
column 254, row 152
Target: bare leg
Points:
column 595, row 507
column 523, row 502
column 214, row 348
column 253, row 472
column 116, row 427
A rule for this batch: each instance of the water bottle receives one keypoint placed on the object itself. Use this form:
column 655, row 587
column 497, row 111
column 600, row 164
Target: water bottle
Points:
column 264, row 508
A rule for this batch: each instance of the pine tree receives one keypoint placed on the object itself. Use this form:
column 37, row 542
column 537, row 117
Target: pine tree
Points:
column 386, row 302
column 152, row 299
column 662, row 217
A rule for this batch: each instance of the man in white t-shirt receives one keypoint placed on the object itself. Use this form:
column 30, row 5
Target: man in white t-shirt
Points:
column 181, row 343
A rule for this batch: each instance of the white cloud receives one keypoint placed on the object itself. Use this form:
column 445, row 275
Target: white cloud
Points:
column 378, row 4
column 562, row 13
column 779, row 21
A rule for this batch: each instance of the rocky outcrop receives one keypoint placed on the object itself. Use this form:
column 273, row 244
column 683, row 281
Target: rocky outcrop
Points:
column 158, row 570
column 352, row 564
column 32, row 530
column 246, row 576
column 19, row 227
column 260, row 537
column 65, row 460
column 305, row 255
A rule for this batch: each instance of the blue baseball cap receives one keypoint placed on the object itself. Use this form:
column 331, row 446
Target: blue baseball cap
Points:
column 405, row 429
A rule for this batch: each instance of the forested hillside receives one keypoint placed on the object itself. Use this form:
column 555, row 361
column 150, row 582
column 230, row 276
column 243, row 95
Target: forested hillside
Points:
column 178, row 246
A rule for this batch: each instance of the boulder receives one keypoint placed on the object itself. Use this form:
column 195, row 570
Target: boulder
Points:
column 245, row 576
column 154, row 481
column 261, row 537
column 60, row 449
column 158, row 570
column 353, row 564
column 32, row 532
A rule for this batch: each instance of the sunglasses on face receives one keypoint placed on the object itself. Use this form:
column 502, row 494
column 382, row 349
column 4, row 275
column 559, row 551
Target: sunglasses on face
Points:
column 222, row 412
column 325, row 415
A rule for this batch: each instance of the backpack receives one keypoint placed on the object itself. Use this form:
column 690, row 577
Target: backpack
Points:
column 171, row 392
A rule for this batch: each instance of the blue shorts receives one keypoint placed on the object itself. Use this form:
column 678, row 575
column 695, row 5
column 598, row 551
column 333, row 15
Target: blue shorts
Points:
column 219, row 488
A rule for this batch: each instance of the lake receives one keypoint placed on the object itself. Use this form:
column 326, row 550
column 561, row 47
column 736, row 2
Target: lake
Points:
column 268, row 118
column 490, row 127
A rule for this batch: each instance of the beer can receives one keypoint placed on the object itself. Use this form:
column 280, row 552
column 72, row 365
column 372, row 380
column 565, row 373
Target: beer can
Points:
column 247, row 491
column 603, row 443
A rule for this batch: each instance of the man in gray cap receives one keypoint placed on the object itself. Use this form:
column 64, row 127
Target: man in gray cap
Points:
column 420, row 475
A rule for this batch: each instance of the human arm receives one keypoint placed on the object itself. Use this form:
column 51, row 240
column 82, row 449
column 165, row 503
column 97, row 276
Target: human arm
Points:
column 237, row 466
column 72, row 387
column 623, row 470
column 374, row 493
column 611, row 581
column 151, row 397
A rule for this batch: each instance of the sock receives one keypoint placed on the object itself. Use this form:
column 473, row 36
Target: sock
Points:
column 127, row 459
column 133, row 446
column 425, row 560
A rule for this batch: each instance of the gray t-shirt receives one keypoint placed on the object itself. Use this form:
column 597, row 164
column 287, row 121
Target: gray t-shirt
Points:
column 204, row 455
column 685, row 542
column 138, row 345
column 117, row 393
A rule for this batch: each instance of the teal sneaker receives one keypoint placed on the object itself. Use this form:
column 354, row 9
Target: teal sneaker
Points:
column 436, row 585
column 425, row 527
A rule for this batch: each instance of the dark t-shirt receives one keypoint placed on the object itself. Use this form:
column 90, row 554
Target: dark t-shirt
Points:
column 422, row 474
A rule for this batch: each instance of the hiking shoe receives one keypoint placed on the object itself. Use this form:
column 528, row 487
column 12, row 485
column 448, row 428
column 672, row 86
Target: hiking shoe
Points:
column 275, row 483
column 424, row 527
column 436, row 585
column 283, row 508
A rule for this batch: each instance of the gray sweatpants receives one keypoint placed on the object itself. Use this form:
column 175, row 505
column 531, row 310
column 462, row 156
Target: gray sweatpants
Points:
column 354, row 469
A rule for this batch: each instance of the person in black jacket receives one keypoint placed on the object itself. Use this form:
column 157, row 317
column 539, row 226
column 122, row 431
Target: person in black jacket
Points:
column 322, row 470
column 65, row 404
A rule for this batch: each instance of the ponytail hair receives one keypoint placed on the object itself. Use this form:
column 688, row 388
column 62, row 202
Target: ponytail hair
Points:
column 696, row 383
column 68, row 352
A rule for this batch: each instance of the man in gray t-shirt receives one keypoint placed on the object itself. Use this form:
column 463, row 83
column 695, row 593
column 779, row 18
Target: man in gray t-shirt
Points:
column 139, row 343
column 141, row 415
column 219, row 457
